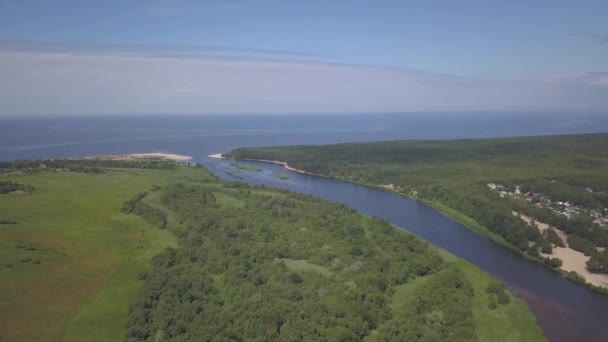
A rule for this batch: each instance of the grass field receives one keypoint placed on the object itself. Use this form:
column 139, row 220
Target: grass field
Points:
column 281, row 176
column 70, row 266
column 305, row 266
column 234, row 175
column 246, row 167
column 511, row 322
column 89, row 253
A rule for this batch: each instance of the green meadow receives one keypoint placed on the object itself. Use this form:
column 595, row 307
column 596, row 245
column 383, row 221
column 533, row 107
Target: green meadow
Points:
column 72, row 266
column 246, row 167
column 281, row 176
column 88, row 254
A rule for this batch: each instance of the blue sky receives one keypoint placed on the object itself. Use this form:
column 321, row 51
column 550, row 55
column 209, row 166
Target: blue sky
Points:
column 301, row 56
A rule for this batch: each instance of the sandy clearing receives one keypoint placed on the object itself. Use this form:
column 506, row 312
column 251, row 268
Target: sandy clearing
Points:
column 571, row 260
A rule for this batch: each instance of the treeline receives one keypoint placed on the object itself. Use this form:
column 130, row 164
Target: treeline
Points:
column 428, row 318
column 562, row 190
column 10, row 186
column 85, row 165
column 579, row 226
column 455, row 174
column 150, row 214
column 290, row 267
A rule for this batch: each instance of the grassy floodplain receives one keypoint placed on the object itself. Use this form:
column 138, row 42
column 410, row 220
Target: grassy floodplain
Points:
column 89, row 252
column 561, row 181
column 92, row 256
column 246, row 167
column 281, row 176
column 234, row 175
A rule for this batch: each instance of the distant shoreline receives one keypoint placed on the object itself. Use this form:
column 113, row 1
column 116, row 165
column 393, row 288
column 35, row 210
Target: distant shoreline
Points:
column 284, row 164
column 140, row 156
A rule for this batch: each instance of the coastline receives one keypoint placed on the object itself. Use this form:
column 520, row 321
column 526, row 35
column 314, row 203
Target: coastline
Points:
column 284, row 164
column 141, row 156
column 161, row 155
column 451, row 213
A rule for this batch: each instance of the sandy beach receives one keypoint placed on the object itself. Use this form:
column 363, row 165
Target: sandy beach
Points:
column 139, row 156
column 161, row 155
column 284, row 164
column 572, row 260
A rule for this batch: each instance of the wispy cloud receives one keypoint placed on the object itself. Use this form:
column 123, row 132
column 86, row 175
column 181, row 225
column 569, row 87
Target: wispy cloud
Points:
column 598, row 38
column 42, row 82
column 157, row 50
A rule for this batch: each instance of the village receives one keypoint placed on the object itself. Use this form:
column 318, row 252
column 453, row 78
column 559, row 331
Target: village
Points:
column 567, row 209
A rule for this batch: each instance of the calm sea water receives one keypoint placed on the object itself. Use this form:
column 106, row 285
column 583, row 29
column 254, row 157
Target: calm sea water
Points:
column 565, row 311
column 201, row 135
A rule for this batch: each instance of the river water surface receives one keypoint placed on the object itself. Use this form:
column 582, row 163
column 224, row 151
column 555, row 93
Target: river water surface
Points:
column 565, row 311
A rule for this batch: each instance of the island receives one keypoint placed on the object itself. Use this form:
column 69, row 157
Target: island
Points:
column 167, row 251
column 281, row 176
column 246, row 167
column 544, row 197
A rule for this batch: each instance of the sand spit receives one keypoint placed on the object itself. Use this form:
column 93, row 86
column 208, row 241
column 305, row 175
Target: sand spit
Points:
column 284, row 164
column 142, row 156
column 159, row 155
column 217, row 155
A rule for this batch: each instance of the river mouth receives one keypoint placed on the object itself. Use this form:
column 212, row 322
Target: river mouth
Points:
column 564, row 310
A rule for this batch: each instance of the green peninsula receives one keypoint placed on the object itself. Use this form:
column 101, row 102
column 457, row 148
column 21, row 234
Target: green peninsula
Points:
column 546, row 197
column 148, row 252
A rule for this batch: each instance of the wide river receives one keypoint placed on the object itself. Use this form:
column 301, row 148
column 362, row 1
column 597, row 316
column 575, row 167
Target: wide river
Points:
column 565, row 311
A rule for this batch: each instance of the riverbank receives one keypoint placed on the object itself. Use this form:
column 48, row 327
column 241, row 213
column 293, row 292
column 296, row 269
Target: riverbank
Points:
column 572, row 260
column 596, row 284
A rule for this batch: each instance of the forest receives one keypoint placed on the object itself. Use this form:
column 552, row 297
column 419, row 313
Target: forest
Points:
column 455, row 173
column 176, row 254
column 83, row 165
column 266, row 265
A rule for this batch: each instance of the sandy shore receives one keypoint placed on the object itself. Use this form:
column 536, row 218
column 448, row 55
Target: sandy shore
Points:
column 169, row 156
column 140, row 156
column 284, row 164
column 571, row 260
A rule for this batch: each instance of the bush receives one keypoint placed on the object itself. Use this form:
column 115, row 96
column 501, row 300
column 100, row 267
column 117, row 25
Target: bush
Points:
column 553, row 262
column 499, row 291
column 492, row 303
column 582, row 245
column 546, row 247
column 552, row 236
column 598, row 263
column 575, row 277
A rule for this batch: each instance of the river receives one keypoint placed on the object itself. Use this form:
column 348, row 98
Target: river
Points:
column 565, row 311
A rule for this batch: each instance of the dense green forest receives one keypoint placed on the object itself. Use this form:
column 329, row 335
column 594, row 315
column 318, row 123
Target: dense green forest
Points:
column 279, row 267
column 196, row 258
column 254, row 264
column 84, row 165
column 455, row 174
